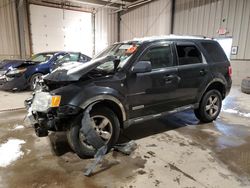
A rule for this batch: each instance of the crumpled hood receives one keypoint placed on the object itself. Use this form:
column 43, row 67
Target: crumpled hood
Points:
column 7, row 64
column 69, row 73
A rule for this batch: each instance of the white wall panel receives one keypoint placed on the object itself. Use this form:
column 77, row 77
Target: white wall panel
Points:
column 55, row 29
column 147, row 20
column 9, row 40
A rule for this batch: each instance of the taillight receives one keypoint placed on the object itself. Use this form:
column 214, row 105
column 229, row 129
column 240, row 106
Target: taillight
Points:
column 230, row 71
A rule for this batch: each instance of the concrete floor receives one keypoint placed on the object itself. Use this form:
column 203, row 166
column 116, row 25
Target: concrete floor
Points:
column 176, row 151
column 13, row 100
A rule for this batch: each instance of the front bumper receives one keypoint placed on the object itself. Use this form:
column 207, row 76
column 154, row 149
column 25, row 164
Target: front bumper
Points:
column 16, row 83
column 53, row 119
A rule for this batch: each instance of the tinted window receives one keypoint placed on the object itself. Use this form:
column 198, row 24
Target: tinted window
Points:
column 159, row 57
column 188, row 54
column 214, row 51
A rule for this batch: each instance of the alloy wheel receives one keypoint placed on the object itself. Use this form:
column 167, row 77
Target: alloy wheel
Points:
column 212, row 106
column 35, row 81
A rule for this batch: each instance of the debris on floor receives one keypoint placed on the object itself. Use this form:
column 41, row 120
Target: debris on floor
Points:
column 99, row 156
column 125, row 148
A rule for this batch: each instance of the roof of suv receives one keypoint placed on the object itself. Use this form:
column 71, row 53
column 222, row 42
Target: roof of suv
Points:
column 171, row 37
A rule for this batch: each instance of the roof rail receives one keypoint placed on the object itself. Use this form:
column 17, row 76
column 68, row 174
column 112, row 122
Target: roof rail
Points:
column 170, row 37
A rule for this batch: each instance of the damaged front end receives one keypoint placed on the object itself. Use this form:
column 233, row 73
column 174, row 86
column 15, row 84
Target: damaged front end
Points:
column 49, row 109
column 46, row 114
column 13, row 82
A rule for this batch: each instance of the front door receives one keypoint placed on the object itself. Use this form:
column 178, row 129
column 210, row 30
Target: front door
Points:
column 153, row 92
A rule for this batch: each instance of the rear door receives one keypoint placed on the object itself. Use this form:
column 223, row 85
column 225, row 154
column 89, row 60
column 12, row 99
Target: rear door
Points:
column 193, row 72
column 153, row 92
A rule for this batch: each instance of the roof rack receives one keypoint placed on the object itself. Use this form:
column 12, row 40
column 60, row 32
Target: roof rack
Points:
column 171, row 37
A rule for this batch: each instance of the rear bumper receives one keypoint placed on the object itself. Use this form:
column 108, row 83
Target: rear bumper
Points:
column 17, row 83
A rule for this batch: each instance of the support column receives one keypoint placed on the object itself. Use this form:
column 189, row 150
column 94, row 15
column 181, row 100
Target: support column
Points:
column 23, row 33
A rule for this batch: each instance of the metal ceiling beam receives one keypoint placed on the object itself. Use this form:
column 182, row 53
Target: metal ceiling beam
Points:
column 120, row 2
column 98, row 3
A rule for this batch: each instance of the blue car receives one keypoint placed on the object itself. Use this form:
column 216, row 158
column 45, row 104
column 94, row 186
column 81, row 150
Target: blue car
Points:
column 24, row 74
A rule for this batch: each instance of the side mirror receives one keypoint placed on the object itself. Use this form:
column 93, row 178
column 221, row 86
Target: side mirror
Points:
column 142, row 66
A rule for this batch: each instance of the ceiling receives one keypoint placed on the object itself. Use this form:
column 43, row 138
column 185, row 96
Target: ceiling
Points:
column 119, row 5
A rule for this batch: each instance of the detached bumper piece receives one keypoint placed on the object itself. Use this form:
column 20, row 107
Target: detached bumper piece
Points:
column 95, row 140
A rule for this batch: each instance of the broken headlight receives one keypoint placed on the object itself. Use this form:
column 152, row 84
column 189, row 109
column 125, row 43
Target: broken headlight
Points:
column 43, row 101
column 15, row 71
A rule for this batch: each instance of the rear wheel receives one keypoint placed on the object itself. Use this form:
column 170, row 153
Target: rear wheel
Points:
column 209, row 107
column 106, row 125
column 34, row 80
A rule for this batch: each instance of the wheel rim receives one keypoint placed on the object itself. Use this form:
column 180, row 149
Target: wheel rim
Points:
column 103, row 128
column 212, row 106
column 35, row 81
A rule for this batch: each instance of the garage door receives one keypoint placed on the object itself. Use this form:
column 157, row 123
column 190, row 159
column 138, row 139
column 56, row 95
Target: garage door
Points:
column 54, row 29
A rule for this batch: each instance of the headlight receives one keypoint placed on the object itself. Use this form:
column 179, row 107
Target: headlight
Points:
column 43, row 101
column 16, row 71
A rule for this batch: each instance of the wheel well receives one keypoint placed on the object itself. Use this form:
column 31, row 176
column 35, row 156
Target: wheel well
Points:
column 218, row 86
column 34, row 74
column 114, row 107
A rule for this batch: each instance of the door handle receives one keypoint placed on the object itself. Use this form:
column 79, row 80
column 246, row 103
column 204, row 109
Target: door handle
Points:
column 203, row 72
column 169, row 77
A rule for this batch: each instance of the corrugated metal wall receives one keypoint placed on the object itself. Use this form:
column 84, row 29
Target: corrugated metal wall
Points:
column 106, row 28
column 150, row 19
column 205, row 17
column 9, row 40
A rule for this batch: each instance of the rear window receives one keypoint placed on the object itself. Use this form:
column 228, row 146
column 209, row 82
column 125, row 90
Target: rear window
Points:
column 215, row 52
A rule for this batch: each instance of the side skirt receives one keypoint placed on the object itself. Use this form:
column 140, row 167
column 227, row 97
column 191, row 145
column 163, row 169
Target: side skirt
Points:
column 159, row 115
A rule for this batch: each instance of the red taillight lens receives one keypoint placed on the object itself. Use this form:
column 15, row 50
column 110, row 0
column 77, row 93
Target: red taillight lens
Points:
column 230, row 71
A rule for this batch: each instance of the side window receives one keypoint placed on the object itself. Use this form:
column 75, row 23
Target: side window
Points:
column 160, row 57
column 214, row 51
column 59, row 57
column 83, row 58
column 73, row 57
column 188, row 54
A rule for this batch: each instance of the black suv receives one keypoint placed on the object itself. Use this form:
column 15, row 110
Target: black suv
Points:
column 128, row 83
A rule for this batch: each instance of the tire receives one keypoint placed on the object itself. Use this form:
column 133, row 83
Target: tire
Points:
column 76, row 139
column 70, row 141
column 245, row 85
column 197, row 113
column 210, row 106
column 33, row 79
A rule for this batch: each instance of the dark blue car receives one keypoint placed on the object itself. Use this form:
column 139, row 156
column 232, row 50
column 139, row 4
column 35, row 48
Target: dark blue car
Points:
column 23, row 74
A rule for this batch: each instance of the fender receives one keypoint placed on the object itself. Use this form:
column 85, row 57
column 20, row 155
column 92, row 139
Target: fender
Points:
column 217, row 79
column 102, row 97
column 83, row 96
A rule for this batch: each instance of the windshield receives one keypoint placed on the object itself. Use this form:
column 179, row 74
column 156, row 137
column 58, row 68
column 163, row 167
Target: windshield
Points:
column 122, row 52
column 41, row 57
column 67, row 58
